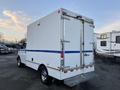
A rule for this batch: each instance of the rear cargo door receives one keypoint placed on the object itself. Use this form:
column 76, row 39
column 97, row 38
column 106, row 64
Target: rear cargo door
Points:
column 88, row 43
column 72, row 28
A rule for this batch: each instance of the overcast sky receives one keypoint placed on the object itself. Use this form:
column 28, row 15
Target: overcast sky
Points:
column 16, row 14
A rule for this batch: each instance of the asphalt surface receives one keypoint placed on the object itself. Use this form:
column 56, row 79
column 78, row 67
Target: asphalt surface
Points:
column 14, row 78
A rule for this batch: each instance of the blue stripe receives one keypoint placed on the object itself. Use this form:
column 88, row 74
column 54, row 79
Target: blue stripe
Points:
column 78, row 51
column 55, row 51
column 48, row 51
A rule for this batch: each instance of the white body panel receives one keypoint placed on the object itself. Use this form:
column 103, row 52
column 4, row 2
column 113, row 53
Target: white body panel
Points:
column 48, row 37
column 112, row 48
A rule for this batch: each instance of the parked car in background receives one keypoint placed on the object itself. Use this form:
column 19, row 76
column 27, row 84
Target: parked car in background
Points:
column 3, row 49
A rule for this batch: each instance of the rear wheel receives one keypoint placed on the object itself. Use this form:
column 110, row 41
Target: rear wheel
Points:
column 45, row 78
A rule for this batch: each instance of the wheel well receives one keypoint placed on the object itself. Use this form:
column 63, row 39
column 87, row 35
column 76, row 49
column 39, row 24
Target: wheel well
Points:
column 42, row 65
column 18, row 57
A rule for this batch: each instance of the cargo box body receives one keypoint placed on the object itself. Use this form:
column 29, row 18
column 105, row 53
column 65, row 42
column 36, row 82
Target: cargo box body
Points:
column 63, row 42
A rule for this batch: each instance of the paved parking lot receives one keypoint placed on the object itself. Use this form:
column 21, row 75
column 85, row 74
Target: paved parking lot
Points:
column 14, row 78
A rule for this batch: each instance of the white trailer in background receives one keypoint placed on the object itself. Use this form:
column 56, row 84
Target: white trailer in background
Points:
column 60, row 45
column 108, row 44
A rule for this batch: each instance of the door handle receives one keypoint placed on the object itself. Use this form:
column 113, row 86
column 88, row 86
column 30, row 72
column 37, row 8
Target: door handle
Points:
column 65, row 41
column 86, row 54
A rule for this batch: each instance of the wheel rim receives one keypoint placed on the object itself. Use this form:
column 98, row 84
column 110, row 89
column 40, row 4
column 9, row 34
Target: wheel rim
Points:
column 44, row 75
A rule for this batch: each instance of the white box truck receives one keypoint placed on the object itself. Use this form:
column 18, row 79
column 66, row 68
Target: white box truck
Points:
column 60, row 46
column 108, row 44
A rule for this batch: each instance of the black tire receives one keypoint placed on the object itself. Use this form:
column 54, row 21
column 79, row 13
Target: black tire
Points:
column 44, row 77
column 19, row 64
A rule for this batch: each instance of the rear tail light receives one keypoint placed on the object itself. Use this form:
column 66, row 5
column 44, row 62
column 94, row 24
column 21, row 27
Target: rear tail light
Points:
column 62, row 58
column 62, row 55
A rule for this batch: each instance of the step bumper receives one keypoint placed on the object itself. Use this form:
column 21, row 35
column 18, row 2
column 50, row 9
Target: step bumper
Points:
column 79, row 78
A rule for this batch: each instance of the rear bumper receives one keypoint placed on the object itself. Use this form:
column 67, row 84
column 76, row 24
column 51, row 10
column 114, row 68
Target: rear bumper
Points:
column 79, row 78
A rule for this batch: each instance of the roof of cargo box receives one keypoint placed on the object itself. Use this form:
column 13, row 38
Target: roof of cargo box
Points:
column 70, row 13
column 73, row 14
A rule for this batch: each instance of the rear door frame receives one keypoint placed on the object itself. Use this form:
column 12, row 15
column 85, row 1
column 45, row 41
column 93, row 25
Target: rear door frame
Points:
column 65, row 16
